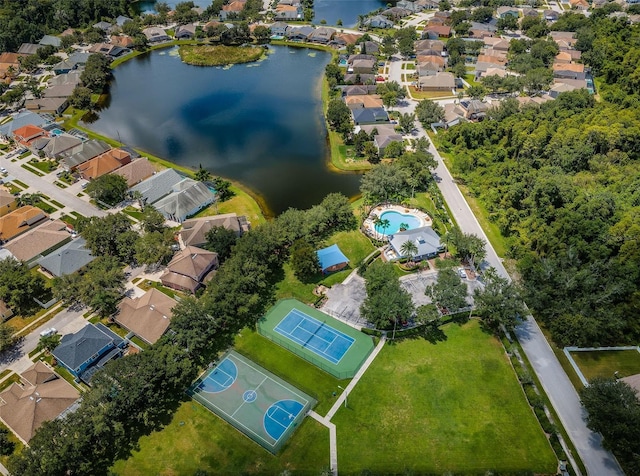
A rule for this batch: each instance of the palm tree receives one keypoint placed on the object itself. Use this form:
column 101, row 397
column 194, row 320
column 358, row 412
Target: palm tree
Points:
column 202, row 175
column 384, row 224
column 409, row 250
column 404, row 226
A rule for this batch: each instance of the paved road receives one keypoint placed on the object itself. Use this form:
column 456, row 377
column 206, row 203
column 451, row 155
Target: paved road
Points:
column 45, row 185
column 552, row 376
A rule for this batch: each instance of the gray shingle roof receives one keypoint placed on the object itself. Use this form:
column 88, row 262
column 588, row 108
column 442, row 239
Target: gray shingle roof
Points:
column 187, row 197
column 427, row 241
column 156, row 187
column 67, row 259
column 24, row 118
column 90, row 149
column 76, row 349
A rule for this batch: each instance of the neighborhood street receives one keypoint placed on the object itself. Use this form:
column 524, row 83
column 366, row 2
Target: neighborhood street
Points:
column 563, row 396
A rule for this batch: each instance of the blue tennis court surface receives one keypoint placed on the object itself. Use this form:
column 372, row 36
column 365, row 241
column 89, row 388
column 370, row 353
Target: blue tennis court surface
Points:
column 315, row 335
column 221, row 378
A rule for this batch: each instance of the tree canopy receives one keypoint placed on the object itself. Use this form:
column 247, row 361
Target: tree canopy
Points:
column 387, row 304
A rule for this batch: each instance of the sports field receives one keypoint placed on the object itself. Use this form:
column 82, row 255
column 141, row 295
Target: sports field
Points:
column 256, row 402
column 316, row 337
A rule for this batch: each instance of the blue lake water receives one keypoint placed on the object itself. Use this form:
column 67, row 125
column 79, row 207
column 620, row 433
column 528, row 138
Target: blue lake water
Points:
column 329, row 10
column 260, row 124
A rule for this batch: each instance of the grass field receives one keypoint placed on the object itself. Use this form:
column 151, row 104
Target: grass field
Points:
column 353, row 244
column 604, row 363
column 208, row 55
column 451, row 407
column 197, row 439
column 242, row 203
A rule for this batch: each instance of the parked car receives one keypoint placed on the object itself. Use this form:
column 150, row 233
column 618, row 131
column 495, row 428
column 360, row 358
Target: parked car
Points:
column 462, row 273
column 48, row 332
column 3, row 170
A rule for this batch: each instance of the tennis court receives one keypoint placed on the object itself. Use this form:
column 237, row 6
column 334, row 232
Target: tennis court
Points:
column 332, row 345
column 315, row 335
column 262, row 406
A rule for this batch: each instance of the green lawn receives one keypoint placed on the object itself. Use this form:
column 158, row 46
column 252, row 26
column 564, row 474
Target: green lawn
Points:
column 353, row 244
column 455, row 406
column 32, row 170
column 242, row 203
column 604, row 363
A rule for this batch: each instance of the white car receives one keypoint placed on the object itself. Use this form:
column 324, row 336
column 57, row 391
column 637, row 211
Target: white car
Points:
column 48, row 332
column 3, row 170
column 462, row 273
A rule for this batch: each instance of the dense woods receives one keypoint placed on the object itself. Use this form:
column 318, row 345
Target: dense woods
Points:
column 562, row 183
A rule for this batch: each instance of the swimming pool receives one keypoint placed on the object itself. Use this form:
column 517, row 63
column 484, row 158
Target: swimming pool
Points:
column 56, row 132
column 395, row 219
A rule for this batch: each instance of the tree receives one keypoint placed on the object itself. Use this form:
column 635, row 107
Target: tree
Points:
column 339, row 117
column 18, row 286
column 304, row 260
column 407, row 122
column 370, row 153
column 462, row 28
column 614, row 411
column 223, row 189
column 6, row 445
column 388, row 46
column 109, row 188
column 429, row 112
column 97, row 72
column 508, row 23
column 476, row 92
column 154, row 247
column 49, row 342
column 152, row 220
column 80, row 98
column 537, row 80
column 444, row 6
column 469, row 247
column 221, row 240
column 6, row 336
column 394, row 149
column 109, row 236
column 387, row 304
column 409, row 250
column 405, row 47
column 498, row 302
column 202, row 174
column 448, row 292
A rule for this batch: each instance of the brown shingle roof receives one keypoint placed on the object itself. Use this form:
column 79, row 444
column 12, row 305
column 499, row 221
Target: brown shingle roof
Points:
column 194, row 230
column 147, row 316
column 103, row 164
column 38, row 240
column 6, row 198
column 19, row 221
column 136, row 171
column 43, row 396
column 192, row 263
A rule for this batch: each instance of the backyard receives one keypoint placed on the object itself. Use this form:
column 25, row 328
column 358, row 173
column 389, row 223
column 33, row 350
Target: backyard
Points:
column 455, row 406
column 605, row 363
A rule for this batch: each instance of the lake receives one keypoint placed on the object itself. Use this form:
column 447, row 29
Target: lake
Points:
column 329, row 10
column 260, row 124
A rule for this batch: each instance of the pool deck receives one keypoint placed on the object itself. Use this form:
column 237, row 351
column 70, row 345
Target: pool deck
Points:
column 369, row 223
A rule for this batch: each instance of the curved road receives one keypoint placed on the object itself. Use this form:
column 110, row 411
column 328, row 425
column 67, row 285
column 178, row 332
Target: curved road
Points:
column 554, row 380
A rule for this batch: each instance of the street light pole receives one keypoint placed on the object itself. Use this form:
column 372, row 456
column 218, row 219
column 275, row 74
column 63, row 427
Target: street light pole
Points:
column 345, row 396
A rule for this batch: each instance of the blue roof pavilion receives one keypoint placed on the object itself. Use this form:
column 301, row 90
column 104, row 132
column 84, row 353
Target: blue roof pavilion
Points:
column 332, row 259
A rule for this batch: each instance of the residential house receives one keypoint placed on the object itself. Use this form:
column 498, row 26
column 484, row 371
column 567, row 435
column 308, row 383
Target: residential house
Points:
column 431, row 58
column 59, row 144
column 436, row 31
column 530, row 12
column 567, row 36
column 343, row 39
column 5, row 313
column 136, row 171
column 504, row 12
column 378, row 21
column 72, row 78
column 194, row 230
column 581, row 5
column 189, row 269
column 157, row 186
column 147, row 316
column 563, row 57
column 489, row 26
column 73, row 62
column 50, row 40
column 104, row 26
column 498, row 60
column 185, row 32
column 67, row 259
column 550, row 15
column 47, row 105
column 122, row 41
column 8, row 202
column 575, row 54
column 332, row 259
column 358, row 78
column 453, row 116
column 437, row 82
column 428, row 68
column 85, row 151
column 9, row 65
column 356, row 90
column 382, row 141
column 568, row 70
column 362, row 66
column 63, row 90
column 289, row 12
column 20, row 221
column 445, row 15
column 363, row 100
column 427, row 4
column 41, row 395
column 39, row 241
column 108, row 49
column 369, row 115
column 28, row 49
column 432, row 45
column 121, row 20
column 187, row 198
column 480, row 33
column 322, row 35
column 559, row 88
column 370, row 47
column 104, row 163
column 88, row 350
column 279, row 29
column 155, row 34
column 426, row 240
column 232, row 9
column 396, row 13
column 27, row 134
column 474, row 109
column 23, row 118
column 300, row 33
